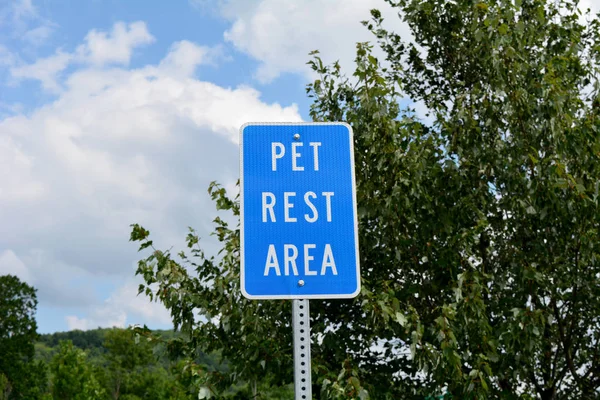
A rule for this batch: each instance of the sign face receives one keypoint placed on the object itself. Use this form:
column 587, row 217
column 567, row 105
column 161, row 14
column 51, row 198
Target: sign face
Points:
column 299, row 229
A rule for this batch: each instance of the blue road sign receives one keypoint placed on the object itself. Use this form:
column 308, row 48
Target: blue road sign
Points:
column 299, row 230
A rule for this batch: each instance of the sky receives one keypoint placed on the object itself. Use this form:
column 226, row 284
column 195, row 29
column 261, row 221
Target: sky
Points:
column 115, row 112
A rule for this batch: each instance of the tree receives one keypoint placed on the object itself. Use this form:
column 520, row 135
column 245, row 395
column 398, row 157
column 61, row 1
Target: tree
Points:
column 72, row 375
column 132, row 370
column 125, row 358
column 20, row 376
column 4, row 387
column 478, row 225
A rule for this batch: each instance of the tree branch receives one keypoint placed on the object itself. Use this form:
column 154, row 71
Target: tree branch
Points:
column 566, row 345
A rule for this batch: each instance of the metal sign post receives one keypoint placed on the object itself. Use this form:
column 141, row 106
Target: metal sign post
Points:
column 298, row 222
column 301, row 326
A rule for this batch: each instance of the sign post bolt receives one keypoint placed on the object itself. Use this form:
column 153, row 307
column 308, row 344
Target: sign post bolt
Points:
column 297, row 136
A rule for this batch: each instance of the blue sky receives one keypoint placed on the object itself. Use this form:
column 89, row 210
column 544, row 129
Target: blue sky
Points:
column 115, row 112
column 45, row 26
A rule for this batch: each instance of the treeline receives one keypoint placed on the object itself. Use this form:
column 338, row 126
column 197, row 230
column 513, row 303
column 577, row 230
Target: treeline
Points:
column 91, row 341
column 104, row 364
column 109, row 364
column 113, row 364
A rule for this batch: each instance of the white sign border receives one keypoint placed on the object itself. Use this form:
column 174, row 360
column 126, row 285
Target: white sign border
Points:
column 354, row 210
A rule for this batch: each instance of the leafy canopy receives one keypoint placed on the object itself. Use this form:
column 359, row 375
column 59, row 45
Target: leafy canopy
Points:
column 479, row 224
column 20, row 376
column 72, row 375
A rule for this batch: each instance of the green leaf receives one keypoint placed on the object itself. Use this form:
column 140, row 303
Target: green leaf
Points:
column 401, row 319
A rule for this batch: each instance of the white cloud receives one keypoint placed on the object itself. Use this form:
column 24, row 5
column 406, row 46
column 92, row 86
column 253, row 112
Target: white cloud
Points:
column 111, row 145
column 10, row 264
column 98, row 50
column 46, row 70
column 103, row 48
column 39, row 35
column 281, row 33
column 23, row 9
column 105, row 318
column 185, row 57
column 58, row 284
column 22, row 21
column 8, row 109
column 7, row 58
column 117, row 146
column 17, row 185
column 124, row 307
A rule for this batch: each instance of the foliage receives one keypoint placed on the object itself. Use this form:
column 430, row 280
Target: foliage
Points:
column 501, row 247
column 85, row 340
column 4, row 387
column 479, row 225
column 124, row 358
column 72, row 375
column 20, row 376
column 126, row 366
column 112, row 365
column 262, row 351
column 131, row 370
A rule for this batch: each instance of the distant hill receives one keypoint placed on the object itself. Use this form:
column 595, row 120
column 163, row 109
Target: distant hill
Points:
column 87, row 340
column 91, row 341
column 155, row 378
